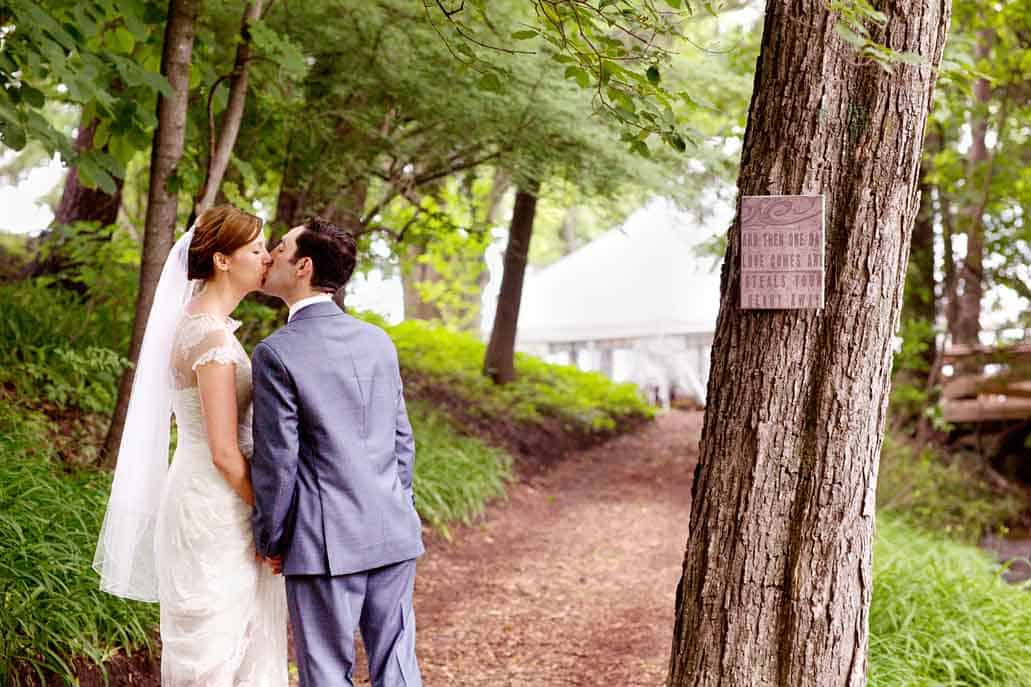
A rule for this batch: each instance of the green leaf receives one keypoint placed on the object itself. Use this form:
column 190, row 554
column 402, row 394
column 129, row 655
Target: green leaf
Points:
column 909, row 58
column 135, row 75
column 490, row 82
column 640, row 148
column 7, row 65
column 524, row 35
column 121, row 40
column 653, row 74
column 580, row 74
column 33, row 97
column 92, row 175
column 13, row 136
column 850, row 36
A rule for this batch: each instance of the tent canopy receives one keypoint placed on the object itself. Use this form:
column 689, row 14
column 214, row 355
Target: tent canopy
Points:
column 638, row 281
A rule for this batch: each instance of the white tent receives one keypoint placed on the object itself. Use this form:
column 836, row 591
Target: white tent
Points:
column 637, row 303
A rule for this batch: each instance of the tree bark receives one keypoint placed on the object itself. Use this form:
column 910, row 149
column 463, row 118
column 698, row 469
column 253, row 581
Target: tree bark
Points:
column 78, row 204
column 499, row 363
column 776, row 581
column 221, row 150
column 166, row 152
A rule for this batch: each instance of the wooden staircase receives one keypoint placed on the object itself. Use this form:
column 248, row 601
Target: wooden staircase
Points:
column 1002, row 392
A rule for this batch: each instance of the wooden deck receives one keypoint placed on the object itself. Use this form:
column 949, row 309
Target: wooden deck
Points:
column 1002, row 392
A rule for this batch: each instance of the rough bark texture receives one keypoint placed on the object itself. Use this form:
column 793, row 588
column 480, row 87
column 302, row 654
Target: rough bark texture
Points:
column 162, row 204
column 499, row 363
column 78, row 204
column 776, row 581
column 221, row 150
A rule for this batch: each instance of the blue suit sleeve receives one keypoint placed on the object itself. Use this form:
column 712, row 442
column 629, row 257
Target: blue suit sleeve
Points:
column 276, row 451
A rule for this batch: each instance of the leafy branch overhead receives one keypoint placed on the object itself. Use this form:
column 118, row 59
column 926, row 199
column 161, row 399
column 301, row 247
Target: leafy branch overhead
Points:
column 103, row 56
column 617, row 49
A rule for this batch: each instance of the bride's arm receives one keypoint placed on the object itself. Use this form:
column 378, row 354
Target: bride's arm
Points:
column 217, row 382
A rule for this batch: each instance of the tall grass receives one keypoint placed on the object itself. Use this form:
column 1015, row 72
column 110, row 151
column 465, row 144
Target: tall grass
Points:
column 52, row 608
column 455, row 475
column 941, row 614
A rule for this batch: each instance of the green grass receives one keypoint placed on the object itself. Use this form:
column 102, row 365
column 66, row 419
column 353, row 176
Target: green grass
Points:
column 919, row 487
column 455, row 475
column 942, row 616
column 52, row 608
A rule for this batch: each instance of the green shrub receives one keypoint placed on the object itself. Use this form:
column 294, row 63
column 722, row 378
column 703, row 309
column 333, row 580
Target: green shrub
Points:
column 583, row 401
column 55, row 347
column 941, row 615
column 920, row 488
column 52, row 608
column 455, row 475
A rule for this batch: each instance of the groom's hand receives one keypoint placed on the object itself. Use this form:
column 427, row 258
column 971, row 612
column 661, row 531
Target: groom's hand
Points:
column 276, row 563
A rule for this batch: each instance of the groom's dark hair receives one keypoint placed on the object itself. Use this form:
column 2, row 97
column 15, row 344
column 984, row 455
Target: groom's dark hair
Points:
column 333, row 253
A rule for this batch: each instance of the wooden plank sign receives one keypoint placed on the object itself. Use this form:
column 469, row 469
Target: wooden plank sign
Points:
column 782, row 249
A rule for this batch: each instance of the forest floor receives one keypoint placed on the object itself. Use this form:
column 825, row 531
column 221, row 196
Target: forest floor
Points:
column 571, row 579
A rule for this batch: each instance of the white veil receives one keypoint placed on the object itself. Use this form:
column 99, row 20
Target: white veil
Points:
column 125, row 550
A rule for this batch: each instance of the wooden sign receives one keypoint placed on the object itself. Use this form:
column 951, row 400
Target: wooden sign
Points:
column 782, row 252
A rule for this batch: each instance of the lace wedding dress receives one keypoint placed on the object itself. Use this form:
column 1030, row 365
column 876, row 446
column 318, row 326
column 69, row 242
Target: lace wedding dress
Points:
column 223, row 613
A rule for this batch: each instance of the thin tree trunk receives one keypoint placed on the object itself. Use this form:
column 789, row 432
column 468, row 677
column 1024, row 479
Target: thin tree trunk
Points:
column 499, row 363
column 348, row 207
column 221, row 150
column 971, row 274
column 413, row 274
column 918, row 304
column 776, row 581
column 166, row 152
column 78, row 204
column 569, row 223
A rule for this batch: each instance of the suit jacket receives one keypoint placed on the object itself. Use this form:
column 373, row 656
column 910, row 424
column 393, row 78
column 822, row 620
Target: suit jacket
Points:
column 333, row 448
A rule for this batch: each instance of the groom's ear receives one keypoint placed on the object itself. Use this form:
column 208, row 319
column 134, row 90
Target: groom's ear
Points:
column 305, row 267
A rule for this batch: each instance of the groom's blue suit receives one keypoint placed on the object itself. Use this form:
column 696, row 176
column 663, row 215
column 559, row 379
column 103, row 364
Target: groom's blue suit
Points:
column 332, row 476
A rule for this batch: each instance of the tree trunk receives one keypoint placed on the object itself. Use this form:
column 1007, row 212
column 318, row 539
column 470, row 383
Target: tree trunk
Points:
column 918, row 303
column 348, row 207
column 78, row 204
column 289, row 201
column 971, row 271
column 412, row 274
column 499, row 363
column 776, row 581
column 570, row 242
column 221, row 150
column 166, row 152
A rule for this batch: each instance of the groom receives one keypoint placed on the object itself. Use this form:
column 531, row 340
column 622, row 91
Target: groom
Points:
column 332, row 470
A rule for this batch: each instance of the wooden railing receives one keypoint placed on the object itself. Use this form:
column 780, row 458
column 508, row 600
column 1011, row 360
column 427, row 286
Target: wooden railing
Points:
column 1001, row 392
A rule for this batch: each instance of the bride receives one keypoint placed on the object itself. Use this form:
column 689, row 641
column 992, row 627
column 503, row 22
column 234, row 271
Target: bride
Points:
column 181, row 535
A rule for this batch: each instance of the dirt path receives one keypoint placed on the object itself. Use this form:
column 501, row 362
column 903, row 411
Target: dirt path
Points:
column 571, row 580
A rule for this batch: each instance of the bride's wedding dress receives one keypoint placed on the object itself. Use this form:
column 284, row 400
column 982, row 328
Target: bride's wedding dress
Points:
column 223, row 613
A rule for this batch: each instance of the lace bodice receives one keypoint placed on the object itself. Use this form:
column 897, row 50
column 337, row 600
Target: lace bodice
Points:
column 202, row 339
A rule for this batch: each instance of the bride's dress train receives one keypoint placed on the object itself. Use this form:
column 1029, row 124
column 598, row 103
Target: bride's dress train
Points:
column 223, row 613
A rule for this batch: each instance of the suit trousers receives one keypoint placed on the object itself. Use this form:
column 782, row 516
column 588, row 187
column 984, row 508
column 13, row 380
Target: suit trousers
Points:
column 326, row 610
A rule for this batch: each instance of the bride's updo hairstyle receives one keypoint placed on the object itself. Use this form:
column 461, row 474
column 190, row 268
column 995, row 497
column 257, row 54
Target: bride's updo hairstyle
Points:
column 220, row 229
